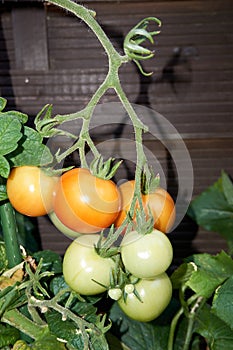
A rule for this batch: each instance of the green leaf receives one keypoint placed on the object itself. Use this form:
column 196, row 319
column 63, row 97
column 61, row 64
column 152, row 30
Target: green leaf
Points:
column 48, row 342
column 51, row 260
column 211, row 272
column 218, row 335
column 227, row 188
column 220, row 264
column 223, row 302
column 182, row 274
column 212, row 209
column 8, row 335
column 4, row 167
column 10, row 133
column 31, row 150
column 3, row 103
column 139, row 335
column 115, row 344
column 66, row 330
column 15, row 114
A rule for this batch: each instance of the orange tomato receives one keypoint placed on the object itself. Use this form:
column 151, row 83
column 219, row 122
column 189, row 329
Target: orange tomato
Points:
column 86, row 203
column 30, row 190
column 160, row 203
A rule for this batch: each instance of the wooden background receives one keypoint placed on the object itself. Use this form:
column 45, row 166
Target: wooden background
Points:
column 48, row 56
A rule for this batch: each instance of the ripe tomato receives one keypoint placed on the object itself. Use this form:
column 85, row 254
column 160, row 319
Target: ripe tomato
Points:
column 155, row 295
column 30, row 190
column 146, row 256
column 160, row 203
column 86, row 203
column 82, row 265
column 162, row 207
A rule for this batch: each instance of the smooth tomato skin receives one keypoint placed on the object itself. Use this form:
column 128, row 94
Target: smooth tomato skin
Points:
column 82, row 265
column 163, row 209
column 85, row 203
column 155, row 295
column 160, row 203
column 146, row 256
column 31, row 191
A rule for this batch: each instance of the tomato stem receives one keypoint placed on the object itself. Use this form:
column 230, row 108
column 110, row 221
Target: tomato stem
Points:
column 10, row 231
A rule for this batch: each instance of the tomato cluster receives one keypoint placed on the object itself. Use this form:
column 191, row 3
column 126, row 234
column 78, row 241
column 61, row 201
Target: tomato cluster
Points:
column 81, row 205
column 146, row 291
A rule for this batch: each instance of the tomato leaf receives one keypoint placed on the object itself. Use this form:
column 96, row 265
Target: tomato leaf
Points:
column 31, row 150
column 3, row 103
column 210, row 273
column 182, row 274
column 227, row 188
column 213, row 209
column 217, row 333
column 64, row 330
column 222, row 303
column 4, row 168
column 115, row 343
column 15, row 114
column 9, row 335
column 10, row 133
column 139, row 335
column 51, row 260
column 48, row 342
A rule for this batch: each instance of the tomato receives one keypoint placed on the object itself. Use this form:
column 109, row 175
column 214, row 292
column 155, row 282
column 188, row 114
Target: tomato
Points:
column 82, row 266
column 155, row 295
column 162, row 207
column 146, row 256
column 62, row 228
column 30, row 190
column 160, row 203
column 86, row 203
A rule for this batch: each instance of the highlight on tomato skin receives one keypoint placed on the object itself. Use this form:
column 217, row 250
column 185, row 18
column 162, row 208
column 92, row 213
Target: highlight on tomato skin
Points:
column 86, row 203
column 83, row 268
column 159, row 202
column 31, row 191
column 146, row 256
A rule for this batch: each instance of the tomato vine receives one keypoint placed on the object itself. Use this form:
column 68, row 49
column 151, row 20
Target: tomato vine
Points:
column 40, row 283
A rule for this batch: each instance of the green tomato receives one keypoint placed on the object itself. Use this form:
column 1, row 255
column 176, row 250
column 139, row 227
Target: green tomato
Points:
column 154, row 297
column 146, row 256
column 83, row 267
column 61, row 227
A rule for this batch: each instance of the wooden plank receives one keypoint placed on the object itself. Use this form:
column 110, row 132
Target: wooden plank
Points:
column 30, row 39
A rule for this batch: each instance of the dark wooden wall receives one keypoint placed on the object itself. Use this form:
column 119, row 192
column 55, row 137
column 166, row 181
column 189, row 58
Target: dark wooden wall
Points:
column 48, row 56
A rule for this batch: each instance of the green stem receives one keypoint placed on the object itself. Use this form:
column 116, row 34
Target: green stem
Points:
column 191, row 319
column 16, row 319
column 10, row 231
column 173, row 329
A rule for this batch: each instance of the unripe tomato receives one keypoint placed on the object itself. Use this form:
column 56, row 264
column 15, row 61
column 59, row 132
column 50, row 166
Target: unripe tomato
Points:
column 62, row 228
column 82, row 266
column 30, row 190
column 146, row 256
column 155, row 295
column 86, row 203
column 160, row 203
